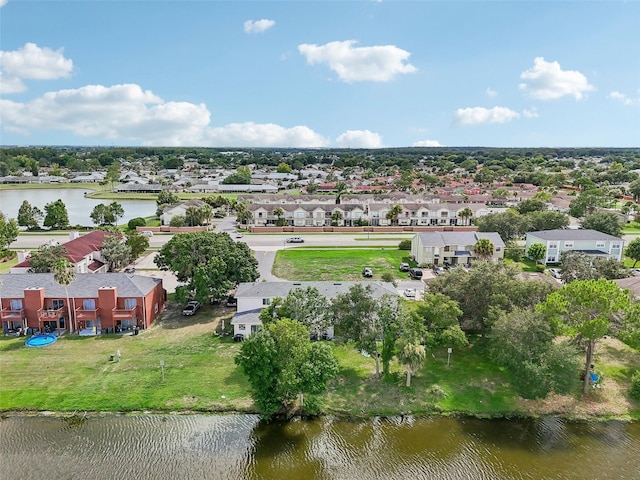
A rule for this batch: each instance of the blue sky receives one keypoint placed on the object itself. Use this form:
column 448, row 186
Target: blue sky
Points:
column 364, row 74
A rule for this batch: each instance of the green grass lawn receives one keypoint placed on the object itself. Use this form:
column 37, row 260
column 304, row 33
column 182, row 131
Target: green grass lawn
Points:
column 317, row 264
column 6, row 266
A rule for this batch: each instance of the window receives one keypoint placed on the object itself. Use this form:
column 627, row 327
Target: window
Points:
column 89, row 304
column 568, row 244
column 553, row 245
column 56, row 304
column 266, row 301
column 130, row 303
column 615, row 246
column 300, row 214
column 600, row 244
column 155, row 308
column 16, row 304
column 242, row 326
column 498, row 249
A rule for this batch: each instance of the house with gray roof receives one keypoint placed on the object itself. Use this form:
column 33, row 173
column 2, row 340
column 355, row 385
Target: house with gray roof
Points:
column 452, row 248
column 98, row 303
column 590, row 242
column 252, row 297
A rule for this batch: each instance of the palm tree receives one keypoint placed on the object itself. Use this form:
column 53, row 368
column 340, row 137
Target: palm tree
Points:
column 466, row 214
column 278, row 212
column 412, row 355
column 243, row 213
column 336, row 217
column 483, row 249
column 393, row 214
column 192, row 215
column 64, row 274
column 341, row 188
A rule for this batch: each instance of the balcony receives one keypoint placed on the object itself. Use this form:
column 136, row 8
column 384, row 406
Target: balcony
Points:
column 123, row 313
column 87, row 314
column 10, row 314
column 45, row 314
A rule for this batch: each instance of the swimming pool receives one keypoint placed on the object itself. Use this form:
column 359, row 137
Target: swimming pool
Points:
column 41, row 340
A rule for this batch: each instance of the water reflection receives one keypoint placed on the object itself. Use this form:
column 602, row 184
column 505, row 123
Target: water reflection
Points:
column 240, row 447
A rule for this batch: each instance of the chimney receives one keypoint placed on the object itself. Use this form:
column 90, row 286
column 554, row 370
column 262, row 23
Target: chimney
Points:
column 73, row 234
column 23, row 255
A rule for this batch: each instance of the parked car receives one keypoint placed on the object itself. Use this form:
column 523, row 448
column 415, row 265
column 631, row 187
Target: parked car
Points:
column 294, row 240
column 367, row 272
column 439, row 270
column 410, row 293
column 130, row 269
column 415, row 273
column 146, row 233
column 555, row 273
column 238, row 337
column 404, row 267
column 239, row 235
column 191, row 308
column 231, row 301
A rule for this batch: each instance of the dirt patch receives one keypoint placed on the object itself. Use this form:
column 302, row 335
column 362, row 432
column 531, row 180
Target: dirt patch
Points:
column 208, row 320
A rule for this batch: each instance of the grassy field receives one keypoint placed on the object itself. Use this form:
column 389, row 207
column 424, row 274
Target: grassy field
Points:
column 76, row 374
column 316, row 264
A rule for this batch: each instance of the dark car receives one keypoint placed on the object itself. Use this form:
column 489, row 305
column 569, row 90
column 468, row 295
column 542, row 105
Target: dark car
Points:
column 439, row 270
column 231, row 301
column 191, row 308
column 415, row 273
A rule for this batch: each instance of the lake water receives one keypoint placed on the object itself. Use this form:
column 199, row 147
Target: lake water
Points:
column 78, row 207
column 240, row 447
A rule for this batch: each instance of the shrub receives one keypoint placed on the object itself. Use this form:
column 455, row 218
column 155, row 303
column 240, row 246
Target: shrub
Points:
column 388, row 277
column 540, row 268
column 635, row 385
column 136, row 222
column 178, row 221
column 405, row 245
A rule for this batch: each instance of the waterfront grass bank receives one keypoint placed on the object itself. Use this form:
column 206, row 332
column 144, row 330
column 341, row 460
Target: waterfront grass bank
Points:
column 199, row 375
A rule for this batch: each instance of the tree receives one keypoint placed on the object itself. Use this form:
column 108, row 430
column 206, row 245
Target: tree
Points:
column 634, row 189
column 633, row 251
column 99, row 214
column 586, row 309
column 279, row 213
column 167, row 198
column 243, row 213
column 412, row 356
column 363, row 320
column 242, row 176
column 305, row 305
column 531, row 205
column 483, row 249
column 605, row 222
column 115, row 252
column 208, row 263
column 536, row 251
column 580, row 266
column 56, row 217
column 29, row 216
column 487, row 289
column 394, row 213
column 137, row 243
column 524, row 343
column 545, row 220
column 312, row 187
column 336, row 217
column 8, row 234
column 465, row 214
column 64, row 274
column 283, row 168
column 136, row 222
column 509, row 225
column 587, row 202
column 282, row 365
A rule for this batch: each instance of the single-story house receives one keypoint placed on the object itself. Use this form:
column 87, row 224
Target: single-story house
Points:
column 591, row 242
column 453, row 248
column 252, row 297
column 109, row 302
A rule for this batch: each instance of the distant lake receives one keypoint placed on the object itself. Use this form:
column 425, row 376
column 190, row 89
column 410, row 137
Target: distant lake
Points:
column 78, row 207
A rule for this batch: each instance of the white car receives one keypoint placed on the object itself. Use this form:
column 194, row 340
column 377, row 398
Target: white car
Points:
column 146, row 233
column 410, row 293
column 555, row 273
column 239, row 235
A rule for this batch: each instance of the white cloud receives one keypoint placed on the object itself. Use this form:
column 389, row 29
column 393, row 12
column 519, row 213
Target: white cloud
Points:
column 3, row 3
column 427, row 143
column 359, row 139
column 491, row 93
column 530, row 112
column 624, row 99
column 258, row 26
column 33, row 63
column 251, row 134
column 129, row 114
column 547, row 81
column 379, row 63
column 481, row 115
